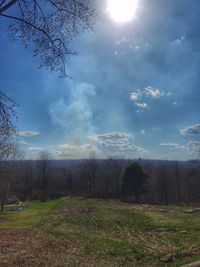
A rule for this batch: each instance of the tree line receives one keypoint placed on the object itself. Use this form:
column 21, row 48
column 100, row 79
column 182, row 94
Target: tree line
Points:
column 144, row 181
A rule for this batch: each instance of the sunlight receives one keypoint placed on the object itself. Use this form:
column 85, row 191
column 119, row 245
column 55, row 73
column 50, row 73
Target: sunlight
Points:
column 122, row 10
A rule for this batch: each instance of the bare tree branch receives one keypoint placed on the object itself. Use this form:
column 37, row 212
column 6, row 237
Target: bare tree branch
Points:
column 7, row 6
column 49, row 26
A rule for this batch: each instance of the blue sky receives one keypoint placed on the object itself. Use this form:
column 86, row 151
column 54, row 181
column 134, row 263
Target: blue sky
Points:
column 135, row 89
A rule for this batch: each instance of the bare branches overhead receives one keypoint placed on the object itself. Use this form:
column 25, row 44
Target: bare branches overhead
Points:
column 7, row 129
column 49, row 26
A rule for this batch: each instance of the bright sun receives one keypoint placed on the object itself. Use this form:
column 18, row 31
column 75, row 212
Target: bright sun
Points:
column 122, row 10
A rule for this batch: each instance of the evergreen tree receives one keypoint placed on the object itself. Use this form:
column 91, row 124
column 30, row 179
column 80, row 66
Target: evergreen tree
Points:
column 134, row 181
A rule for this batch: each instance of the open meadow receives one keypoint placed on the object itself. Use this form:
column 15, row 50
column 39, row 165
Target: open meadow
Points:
column 92, row 232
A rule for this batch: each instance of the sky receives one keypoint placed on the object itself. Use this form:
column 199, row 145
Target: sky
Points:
column 135, row 89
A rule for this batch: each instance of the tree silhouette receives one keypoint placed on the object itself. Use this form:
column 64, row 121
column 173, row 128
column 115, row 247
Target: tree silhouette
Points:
column 134, row 181
column 48, row 26
column 7, row 129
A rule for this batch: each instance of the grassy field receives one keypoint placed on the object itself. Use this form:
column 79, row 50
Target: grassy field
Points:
column 88, row 232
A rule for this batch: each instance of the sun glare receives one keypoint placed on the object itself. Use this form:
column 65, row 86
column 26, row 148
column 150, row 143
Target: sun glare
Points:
column 122, row 10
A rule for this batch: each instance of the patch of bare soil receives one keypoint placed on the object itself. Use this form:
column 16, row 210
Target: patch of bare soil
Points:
column 31, row 248
column 72, row 213
column 84, row 212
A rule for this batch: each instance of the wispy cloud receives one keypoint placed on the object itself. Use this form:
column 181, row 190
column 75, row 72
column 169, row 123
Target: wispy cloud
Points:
column 76, row 151
column 27, row 133
column 192, row 147
column 34, row 148
column 191, row 130
column 75, row 115
column 22, row 142
column 173, row 145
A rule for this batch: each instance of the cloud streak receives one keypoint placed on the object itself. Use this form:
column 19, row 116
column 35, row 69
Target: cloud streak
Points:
column 191, row 130
column 28, row 134
column 173, row 145
column 72, row 151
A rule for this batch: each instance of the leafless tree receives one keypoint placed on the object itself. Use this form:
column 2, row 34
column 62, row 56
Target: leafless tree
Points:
column 89, row 172
column 27, row 179
column 7, row 129
column 86, row 174
column 163, row 184
column 44, row 173
column 8, row 149
column 92, row 172
column 111, row 173
column 178, row 180
column 8, row 171
column 48, row 26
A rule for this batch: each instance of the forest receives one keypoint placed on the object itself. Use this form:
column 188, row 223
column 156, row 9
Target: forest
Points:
column 44, row 179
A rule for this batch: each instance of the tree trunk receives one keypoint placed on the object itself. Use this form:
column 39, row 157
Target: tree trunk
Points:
column 2, row 207
column 3, row 203
column 178, row 185
column 137, row 198
column 166, row 196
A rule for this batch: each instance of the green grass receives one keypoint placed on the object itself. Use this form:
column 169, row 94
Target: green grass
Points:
column 32, row 215
column 121, row 234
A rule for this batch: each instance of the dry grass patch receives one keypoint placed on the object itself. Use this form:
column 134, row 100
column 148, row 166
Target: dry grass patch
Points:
column 32, row 248
column 88, row 232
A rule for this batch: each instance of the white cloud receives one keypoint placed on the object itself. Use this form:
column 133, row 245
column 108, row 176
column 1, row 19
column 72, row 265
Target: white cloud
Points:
column 155, row 92
column 27, row 133
column 141, row 105
column 113, row 138
column 117, row 143
column 145, row 94
column 191, row 130
column 193, row 147
column 135, row 96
